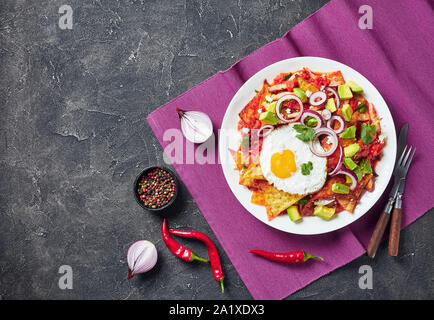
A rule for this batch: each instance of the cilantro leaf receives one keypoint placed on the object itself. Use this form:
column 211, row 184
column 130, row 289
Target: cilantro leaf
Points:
column 303, row 201
column 367, row 133
column 306, row 133
column 286, row 77
column 306, row 168
column 361, row 107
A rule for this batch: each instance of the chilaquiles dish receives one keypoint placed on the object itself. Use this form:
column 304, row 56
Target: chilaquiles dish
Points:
column 310, row 142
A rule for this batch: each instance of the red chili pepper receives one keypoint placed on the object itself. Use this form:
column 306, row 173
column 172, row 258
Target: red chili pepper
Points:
column 176, row 248
column 288, row 257
column 212, row 252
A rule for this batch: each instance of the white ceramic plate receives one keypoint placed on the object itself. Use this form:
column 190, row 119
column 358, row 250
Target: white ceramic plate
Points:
column 230, row 138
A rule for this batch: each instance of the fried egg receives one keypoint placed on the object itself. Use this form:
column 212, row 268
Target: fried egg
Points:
column 281, row 160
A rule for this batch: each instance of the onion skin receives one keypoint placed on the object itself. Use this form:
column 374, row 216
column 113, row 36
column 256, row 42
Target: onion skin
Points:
column 268, row 128
column 297, row 114
column 340, row 119
column 314, row 114
column 141, row 257
column 351, row 174
column 196, row 126
column 339, row 165
column 319, row 94
column 338, row 101
column 333, row 136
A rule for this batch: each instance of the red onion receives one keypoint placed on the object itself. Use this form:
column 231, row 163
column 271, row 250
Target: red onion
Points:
column 195, row 125
column 326, row 114
column 294, row 116
column 351, row 174
column 338, row 102
column 341, row 121
column 339, row 165
column 313, row 114
column 141, row 257
column 265, row 130
column 334, row 142
column 317, row 98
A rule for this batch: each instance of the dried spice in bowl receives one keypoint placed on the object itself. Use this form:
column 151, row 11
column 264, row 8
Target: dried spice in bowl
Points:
column 156, row 188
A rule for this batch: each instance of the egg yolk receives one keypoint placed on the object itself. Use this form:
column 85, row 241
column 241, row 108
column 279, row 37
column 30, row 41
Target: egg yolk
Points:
column 283, row 164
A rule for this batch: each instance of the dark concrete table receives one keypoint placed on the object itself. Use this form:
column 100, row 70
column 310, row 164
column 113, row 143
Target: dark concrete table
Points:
column 74, row 136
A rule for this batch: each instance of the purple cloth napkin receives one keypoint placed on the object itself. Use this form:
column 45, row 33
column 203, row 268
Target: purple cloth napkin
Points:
column 396, row 56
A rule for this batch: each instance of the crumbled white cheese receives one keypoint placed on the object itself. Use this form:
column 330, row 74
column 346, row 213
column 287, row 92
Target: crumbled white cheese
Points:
column 382, row 138
column 323, row 202
column 245, row 130
column 268, row 98
column 259, row 110
column 308, row 93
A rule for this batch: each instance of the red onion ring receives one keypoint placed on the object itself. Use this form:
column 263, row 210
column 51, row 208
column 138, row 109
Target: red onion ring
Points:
column 326, row 114
column 351, row 174
column 314, row 96
column 341, row 121
column 339, row 165
column 338, row 101
column 294, row 116
column 332, row 135
column 268, row 128
column 313, row 114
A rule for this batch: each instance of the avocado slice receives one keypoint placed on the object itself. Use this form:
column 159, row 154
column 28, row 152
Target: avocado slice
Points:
column 331, row 105
column 349, row 133
column 358, row 173
column 350, row 164
column 347, row 112
column 300, row 93
column 324, row 212
column 340, row 188
column 365, row 166
column 354, row 87
column 271, row 107
column 351, row 150
column 344, row 92
column 268, row 117
column 293, row 213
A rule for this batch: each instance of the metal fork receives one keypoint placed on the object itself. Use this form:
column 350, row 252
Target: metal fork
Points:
column 395, row 198
column 400, row 173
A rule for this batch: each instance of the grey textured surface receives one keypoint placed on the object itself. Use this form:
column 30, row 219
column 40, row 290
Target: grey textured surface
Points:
column 73, row 137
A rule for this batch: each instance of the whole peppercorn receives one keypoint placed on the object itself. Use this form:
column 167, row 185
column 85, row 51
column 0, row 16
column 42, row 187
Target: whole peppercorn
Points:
column 156, row 188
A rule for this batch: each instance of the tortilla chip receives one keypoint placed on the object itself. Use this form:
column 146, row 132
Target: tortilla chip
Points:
column 348, row 202
column 258, row 198
column 249, row 112
column 253, row 172
column 306, row 85
column 277, row 201
column 335, row 78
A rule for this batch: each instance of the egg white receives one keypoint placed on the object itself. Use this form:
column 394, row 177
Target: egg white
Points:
column 284, row 138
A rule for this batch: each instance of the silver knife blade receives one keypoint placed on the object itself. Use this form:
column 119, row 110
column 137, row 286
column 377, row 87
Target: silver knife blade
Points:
column 402, row 141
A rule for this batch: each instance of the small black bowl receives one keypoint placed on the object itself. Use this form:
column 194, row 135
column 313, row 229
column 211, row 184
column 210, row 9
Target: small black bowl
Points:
column 136, row 186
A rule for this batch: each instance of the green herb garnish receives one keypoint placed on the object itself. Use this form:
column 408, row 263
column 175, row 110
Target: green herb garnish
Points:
column 305, row 133
column 367, row 133
column 257, row 91
column 306, row 168
column 361, row 107
column 286, row 77
column 303, row 201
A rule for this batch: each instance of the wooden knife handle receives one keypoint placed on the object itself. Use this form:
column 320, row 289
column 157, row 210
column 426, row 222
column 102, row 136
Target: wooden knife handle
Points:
column 377, row 235
column 395, row 229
